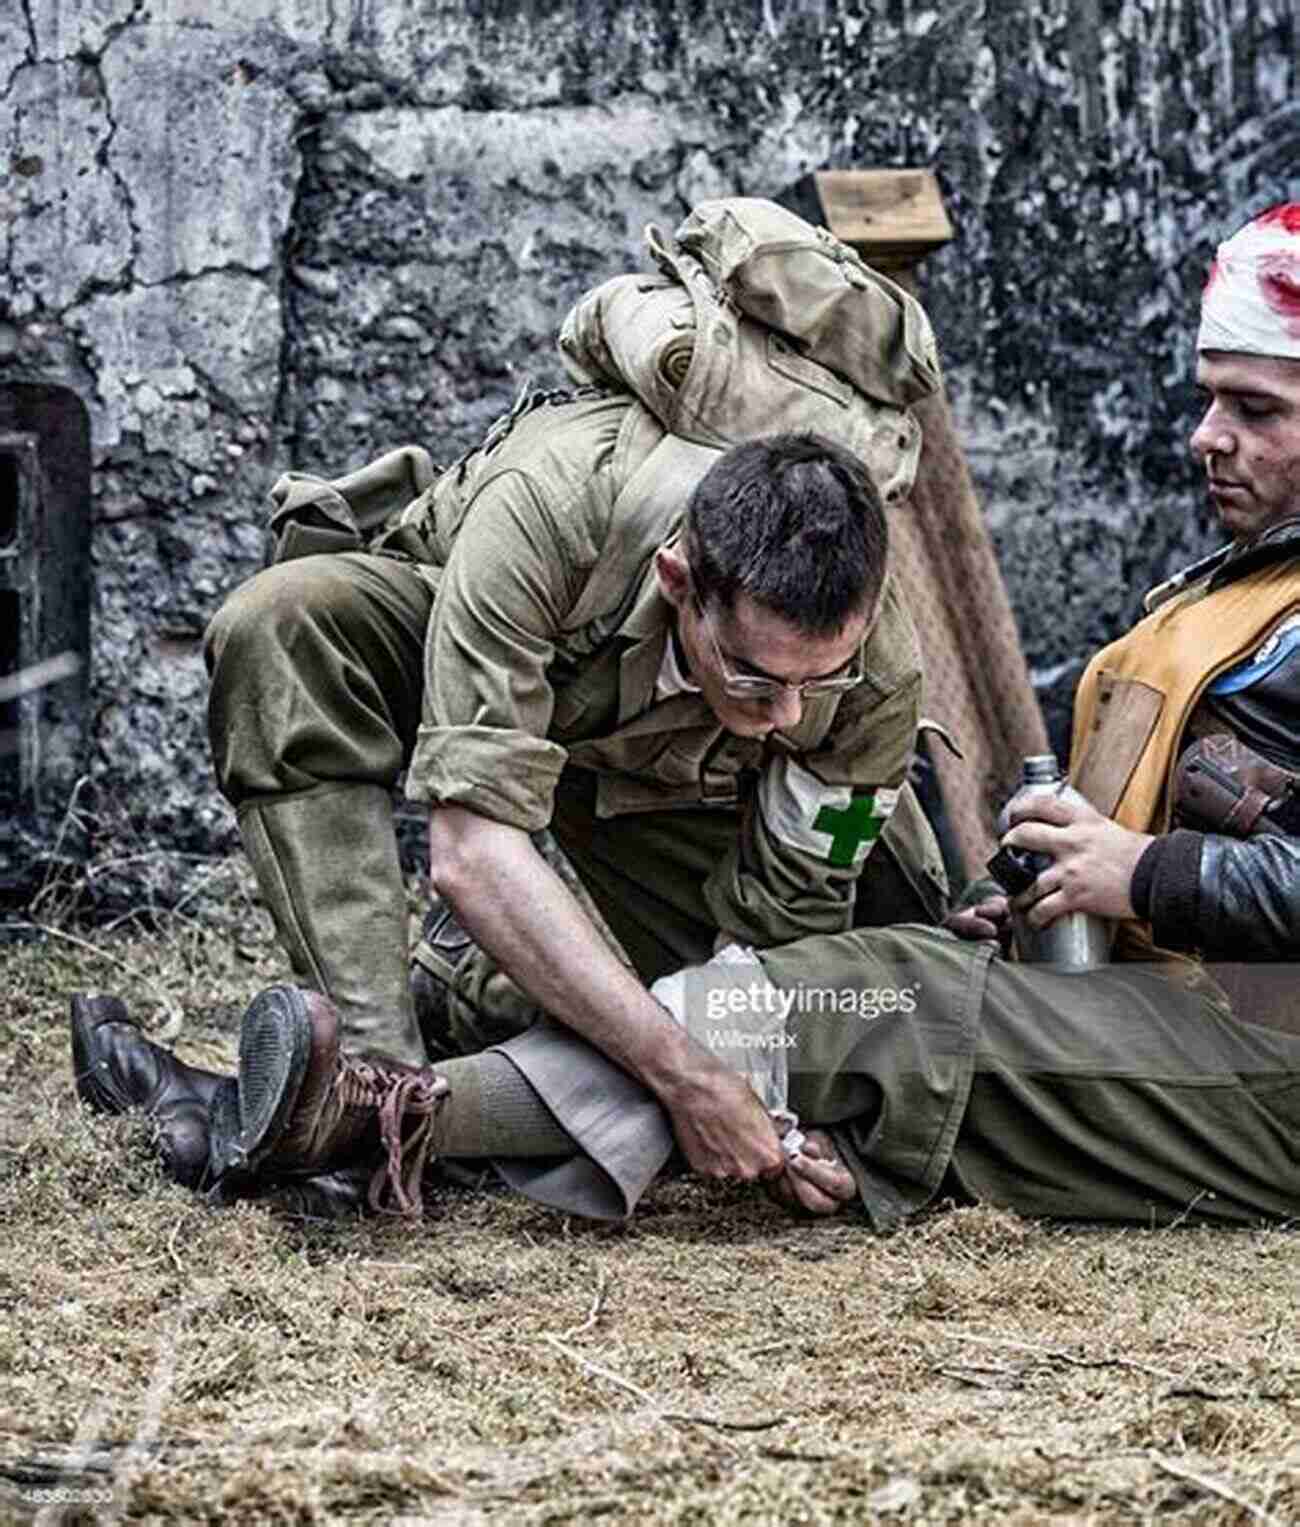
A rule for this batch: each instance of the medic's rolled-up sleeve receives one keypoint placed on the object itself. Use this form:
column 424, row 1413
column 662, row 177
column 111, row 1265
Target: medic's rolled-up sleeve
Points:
column 487, row 705
column 815, row 817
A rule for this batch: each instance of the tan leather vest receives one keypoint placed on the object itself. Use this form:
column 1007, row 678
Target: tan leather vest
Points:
column 1136, row 697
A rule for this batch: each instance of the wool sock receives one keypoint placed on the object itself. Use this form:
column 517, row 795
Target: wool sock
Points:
column 492, row 1111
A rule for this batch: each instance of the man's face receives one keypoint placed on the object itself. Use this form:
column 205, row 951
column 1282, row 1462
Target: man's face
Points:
column 753, row 640
column 1249, row 439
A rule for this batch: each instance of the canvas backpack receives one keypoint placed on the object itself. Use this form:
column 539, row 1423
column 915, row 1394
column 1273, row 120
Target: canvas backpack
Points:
column 756, row 324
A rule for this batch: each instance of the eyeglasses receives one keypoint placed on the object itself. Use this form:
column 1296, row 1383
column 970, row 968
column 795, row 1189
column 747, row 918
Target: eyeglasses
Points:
column 752, row 686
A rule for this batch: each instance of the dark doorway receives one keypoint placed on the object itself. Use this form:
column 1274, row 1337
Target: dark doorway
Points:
column 44, row 607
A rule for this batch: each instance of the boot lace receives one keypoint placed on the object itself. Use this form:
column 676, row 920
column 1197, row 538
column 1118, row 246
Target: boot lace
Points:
column 396, row 1096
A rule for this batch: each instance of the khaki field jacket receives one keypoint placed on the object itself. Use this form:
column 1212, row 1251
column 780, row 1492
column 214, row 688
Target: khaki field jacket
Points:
column 546, row 638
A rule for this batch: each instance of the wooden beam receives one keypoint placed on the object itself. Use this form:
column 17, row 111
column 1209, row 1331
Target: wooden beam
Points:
column 891, row 217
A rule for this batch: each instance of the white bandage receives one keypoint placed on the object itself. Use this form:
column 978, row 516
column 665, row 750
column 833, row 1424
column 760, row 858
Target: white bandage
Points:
column 731, row 1008
column 1251, row 303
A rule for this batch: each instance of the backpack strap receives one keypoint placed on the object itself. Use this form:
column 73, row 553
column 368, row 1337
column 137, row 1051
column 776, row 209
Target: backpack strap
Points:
column 647, row 512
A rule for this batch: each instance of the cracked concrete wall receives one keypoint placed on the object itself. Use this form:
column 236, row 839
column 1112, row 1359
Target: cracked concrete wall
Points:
column 296, row 231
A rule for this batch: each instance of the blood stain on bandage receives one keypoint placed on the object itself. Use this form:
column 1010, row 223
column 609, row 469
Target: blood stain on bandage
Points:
column 1287, row 213
column 1213, row 275
column 1279, row 284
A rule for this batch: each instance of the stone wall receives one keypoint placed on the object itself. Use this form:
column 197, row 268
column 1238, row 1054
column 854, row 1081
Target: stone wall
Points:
column 309, row 229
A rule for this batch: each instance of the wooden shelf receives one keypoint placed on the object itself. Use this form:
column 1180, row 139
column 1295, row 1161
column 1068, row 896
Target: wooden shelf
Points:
column 891, row 217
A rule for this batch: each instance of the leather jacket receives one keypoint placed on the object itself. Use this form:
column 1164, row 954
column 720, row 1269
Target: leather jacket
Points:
column 1236, row 898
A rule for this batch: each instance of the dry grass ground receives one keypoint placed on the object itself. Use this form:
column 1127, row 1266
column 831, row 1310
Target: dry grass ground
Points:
column 710, row 1362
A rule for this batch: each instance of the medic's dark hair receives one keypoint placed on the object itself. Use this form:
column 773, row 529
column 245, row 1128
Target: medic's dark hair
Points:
column 796, row 523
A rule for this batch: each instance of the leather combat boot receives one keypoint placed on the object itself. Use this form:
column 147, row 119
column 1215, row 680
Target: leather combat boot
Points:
column 464, row 1002
column 117, row 1069
column 325, row 1196
column 328, row 1195
column 443, row 948
column 327, row 866
column 305, row 1108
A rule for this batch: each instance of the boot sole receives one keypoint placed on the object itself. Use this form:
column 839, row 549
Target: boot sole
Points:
column 226, row 1183
column 274, row 1048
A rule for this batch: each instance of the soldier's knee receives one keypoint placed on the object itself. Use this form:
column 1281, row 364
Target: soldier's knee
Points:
column 270, row 614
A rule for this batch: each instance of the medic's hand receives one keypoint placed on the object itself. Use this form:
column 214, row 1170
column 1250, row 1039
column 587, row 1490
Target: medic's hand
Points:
column 1093, row 859
column 722, row 1128
column 815, row 1181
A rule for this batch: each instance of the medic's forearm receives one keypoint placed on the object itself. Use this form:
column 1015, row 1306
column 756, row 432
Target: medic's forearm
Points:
column 519, row 910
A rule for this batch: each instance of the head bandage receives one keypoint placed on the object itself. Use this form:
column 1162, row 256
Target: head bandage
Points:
column 1251, row 303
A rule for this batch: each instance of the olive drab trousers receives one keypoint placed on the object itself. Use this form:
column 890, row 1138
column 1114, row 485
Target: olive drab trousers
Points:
column 1125, row 1094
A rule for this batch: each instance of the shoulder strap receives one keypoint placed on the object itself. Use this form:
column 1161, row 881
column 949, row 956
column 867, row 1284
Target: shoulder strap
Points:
column 647, row 512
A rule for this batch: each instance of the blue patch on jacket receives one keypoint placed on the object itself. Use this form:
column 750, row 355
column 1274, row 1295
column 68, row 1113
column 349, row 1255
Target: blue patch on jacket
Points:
column 1275, row 651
